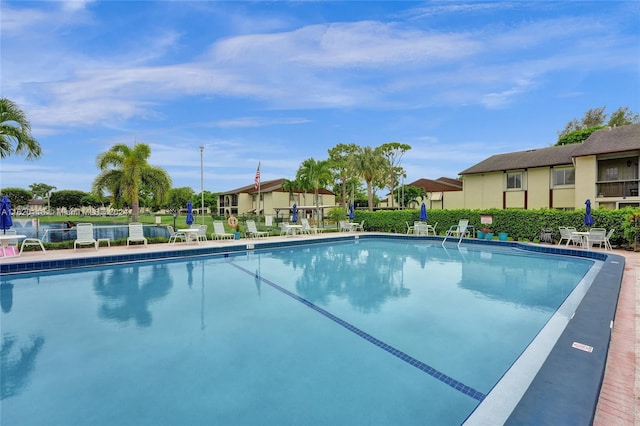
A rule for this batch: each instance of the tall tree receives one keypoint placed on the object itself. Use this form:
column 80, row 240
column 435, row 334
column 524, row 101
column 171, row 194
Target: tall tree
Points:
column 125, row 169
column 623, row 117
column 369, row 164
column 16, row 129
column 598, row 117
column 19, row 197
column 341, row 162
column 314, row 175
column 393, row 153
column 42, row 190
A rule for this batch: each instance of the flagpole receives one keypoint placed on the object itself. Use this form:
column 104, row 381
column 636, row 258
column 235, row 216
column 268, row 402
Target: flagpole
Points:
column 257, row 183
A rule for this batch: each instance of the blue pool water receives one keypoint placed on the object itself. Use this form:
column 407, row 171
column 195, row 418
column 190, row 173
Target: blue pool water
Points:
column 364, row 332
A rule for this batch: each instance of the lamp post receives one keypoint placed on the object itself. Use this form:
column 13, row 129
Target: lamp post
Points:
column 202, row 184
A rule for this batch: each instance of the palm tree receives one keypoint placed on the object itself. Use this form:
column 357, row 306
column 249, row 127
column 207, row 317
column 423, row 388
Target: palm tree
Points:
column 314, row 175
column 15, row 128
column 125, row 169
column 289, row 186
column 368, row 163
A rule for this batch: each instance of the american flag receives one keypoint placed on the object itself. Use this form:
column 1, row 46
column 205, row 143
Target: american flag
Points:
column 257, row 180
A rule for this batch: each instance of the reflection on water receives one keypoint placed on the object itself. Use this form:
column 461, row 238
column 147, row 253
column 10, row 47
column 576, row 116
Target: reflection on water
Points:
column 127, row 297
column 6, row 297
column 16, row 363
column 367, row 279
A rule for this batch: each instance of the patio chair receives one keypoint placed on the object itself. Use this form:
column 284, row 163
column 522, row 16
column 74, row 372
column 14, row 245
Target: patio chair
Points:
column 607, row 240
column 173, row 235
column 597, row 236
column 84, row 236
column 202, row 233
column 566, row 234
column 136, row 234
column 10, row 245
column 252, row 230
column 420, row 228
column 218, row 231
column 410, row 228
column 359, row 227
column 284, row 228
column 345, row 226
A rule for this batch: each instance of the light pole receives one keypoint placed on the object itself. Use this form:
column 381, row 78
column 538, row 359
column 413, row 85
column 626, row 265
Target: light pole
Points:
column 202, row 184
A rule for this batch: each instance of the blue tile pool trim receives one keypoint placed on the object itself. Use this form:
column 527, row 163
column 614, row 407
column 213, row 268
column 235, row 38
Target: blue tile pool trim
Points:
column 448, row 380
column 45, row 265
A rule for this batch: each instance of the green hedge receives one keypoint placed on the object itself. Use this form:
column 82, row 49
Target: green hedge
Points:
column 520, row 224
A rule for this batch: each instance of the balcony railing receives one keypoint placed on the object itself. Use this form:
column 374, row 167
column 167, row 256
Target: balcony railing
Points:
column 618, row 189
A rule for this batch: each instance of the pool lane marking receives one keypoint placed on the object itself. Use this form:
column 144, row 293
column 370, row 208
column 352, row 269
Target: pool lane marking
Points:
column 459, row 386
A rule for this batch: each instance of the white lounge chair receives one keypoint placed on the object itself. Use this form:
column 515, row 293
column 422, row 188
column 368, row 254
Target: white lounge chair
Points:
column 32, row 242
column 136, row 234
column 218, row 231
column 307, row 228
column 345, row 226
column 173, row 235
column 458, row 231
column 252, row 230
column 84, row 236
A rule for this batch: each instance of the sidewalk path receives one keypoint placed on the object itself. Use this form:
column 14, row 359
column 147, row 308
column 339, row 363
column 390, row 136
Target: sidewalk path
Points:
column 619, row 402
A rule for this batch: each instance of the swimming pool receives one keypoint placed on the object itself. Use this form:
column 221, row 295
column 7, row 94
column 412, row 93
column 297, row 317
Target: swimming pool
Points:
column 351, row 332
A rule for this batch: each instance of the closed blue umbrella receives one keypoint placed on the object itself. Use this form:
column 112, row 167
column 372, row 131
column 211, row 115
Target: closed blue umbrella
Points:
column 423, row 213
column 588, row 220
column 5, row 214
column 189, row 213
column 294, row 217
column 351, row 211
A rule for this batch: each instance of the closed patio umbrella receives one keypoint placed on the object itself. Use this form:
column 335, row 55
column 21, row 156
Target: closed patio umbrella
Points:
column 588, row 220
column 294, row 217
column 189, row 219
column 351, row 211
column 5, row 214
column 423, row 212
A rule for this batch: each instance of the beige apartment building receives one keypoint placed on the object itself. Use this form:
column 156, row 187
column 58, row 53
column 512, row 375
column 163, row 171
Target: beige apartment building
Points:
column 603, row 169
column 273, row 201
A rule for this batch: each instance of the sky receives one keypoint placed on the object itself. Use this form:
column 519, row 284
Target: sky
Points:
column 276, row 83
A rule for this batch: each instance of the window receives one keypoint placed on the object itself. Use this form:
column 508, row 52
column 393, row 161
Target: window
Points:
column 564, row 176
column 514, row 180
column 611, row 173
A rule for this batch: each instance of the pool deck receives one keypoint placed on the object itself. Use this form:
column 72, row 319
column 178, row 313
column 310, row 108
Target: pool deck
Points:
column 619, row 400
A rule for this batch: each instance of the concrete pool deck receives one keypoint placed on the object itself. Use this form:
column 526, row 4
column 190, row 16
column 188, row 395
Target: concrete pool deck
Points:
column 619, row 401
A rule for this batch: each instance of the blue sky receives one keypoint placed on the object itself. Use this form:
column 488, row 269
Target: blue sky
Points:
column 279, row 82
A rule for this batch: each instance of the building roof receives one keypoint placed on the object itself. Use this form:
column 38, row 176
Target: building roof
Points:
column 605, row 141
column 274, row 185
column 542, row 157
column 611, row 140
column 439, row 185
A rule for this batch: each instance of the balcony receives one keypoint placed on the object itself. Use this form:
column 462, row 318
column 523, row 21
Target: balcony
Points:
column 617, row 189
